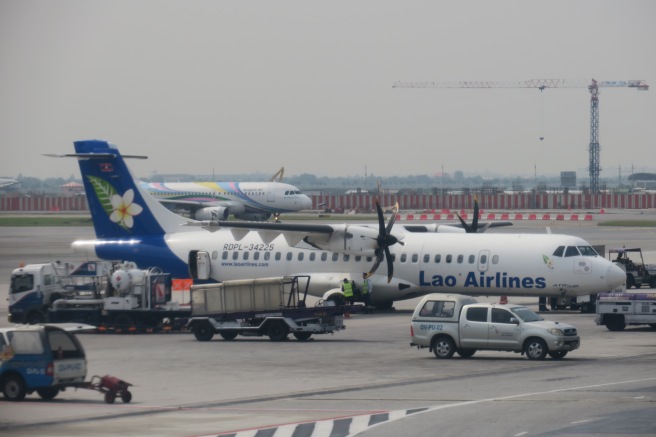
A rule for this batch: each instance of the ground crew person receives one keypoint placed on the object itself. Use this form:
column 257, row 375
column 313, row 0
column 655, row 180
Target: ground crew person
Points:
column 366, row 290
column 347, row 289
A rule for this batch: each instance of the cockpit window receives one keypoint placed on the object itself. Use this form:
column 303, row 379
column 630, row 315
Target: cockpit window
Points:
column 559, row 251
column 588, row 251
column 572, row 251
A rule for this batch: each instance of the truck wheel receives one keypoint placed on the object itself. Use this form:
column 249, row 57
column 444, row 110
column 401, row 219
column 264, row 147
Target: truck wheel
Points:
column 203, row 331
column 277, row 331
column 13, row 388
column 630, row 281
column 443, row 348
column 302, row 336
column 228, row 335
column 47, row 393
column 466, row 353
column 615, row 322
column 536, row 349
column 558, row 355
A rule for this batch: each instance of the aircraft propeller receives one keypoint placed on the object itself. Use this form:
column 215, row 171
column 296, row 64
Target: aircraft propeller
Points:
column 473, row 228
column 385, row 239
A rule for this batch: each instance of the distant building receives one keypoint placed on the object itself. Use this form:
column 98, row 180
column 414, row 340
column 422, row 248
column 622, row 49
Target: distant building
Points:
column 643, row 180
column 568, row 179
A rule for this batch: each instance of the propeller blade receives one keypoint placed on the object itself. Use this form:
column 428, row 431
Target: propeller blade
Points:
column 395, row 212
column 474, row 224
column 384, row 240
column 390, row 265
column 375, row 266
column 464, row 224
column 473, row 228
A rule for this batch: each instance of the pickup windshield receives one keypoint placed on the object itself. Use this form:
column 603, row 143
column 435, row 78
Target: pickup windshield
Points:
column 526, row 315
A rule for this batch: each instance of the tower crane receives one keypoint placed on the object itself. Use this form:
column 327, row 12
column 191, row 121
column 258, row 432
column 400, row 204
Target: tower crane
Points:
column 541, row 84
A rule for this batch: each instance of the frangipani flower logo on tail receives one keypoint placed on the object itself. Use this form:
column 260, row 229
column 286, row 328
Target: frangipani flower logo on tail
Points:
column 120, row 209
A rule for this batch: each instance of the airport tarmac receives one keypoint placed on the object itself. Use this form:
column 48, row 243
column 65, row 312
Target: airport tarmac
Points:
column 366, row 380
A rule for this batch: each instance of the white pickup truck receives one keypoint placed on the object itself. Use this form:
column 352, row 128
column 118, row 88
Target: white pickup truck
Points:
column 449, row 323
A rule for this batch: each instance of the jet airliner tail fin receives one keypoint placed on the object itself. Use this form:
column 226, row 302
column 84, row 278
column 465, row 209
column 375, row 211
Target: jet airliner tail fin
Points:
column 119, row 207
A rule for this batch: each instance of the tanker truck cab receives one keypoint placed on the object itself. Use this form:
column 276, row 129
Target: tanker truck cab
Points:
column 449, row 323
column 42, row 358
column 28, row 287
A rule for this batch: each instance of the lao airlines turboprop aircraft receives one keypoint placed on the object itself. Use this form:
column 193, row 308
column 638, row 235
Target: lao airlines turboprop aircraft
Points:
column 217, row 200
column 131, row 225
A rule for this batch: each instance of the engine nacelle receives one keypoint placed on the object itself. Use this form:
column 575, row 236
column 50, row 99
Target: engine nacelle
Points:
column 253, row 216
column 212, row 213
column 336, row 295
column 430, row 228
column 352, row 239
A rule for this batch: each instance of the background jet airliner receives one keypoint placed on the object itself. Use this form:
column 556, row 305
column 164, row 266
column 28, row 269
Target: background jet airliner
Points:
column 131, row 225
column 6, row 183
column 217, row 200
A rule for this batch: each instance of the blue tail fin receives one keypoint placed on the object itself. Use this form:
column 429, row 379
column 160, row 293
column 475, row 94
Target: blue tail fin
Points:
column 119, row 208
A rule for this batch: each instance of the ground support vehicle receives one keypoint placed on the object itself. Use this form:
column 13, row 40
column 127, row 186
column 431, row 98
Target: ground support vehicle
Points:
column 137, row 301
column 110, row 386
column 274, row 307
column 637, row 272
column 48, row 359
column 35, row 287
column 449, row 323
column 616, row 310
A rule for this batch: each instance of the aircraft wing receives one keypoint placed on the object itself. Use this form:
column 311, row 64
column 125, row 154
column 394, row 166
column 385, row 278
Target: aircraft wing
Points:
column 356, row 239
column 434, row 227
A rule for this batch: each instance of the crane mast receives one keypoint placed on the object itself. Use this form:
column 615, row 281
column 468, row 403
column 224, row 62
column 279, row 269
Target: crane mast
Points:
column 594, row 166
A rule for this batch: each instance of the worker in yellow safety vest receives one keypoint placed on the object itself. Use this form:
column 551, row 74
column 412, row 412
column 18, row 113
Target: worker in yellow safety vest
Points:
column 347, row 289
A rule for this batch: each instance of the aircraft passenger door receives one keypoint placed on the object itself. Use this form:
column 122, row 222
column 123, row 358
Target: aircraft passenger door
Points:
column 199, row 264
column 483, row 260
column 271, row 195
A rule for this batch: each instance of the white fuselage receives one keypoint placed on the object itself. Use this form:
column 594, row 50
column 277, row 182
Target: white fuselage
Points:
column 473, row 264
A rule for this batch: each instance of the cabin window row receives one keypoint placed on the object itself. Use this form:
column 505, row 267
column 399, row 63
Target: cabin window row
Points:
column 334, row 256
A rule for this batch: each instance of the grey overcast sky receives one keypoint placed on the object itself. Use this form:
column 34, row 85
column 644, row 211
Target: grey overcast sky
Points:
column 249, row 86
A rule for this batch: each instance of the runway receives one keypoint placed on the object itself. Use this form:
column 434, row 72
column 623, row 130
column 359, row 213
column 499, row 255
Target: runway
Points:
column 366, row 380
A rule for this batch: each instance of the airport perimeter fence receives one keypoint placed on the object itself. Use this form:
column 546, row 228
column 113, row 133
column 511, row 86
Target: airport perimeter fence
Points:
column 429, row 203
column 511, row 202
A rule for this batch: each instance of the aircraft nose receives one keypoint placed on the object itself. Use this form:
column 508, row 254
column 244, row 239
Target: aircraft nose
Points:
column 615, row 277
column 307, row 202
